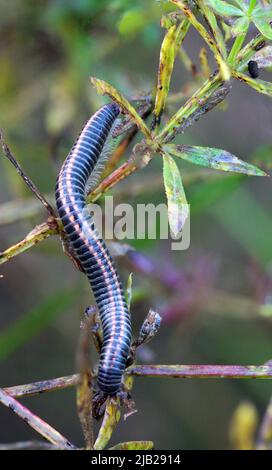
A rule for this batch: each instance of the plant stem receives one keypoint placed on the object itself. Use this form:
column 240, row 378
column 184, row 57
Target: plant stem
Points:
column 118, row 175
column 49, row 433
column 237, row 45
column 28, row 445
column 8, row 154
column 36, row 388
column 193, row 103
column 207, row 38
column 251, row 7
column 248, row 52
column 203, row 371
column 168, row 371
column 37, row 235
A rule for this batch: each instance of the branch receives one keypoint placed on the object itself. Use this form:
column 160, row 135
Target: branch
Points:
column 36, row 388
column 50, row 227
column 203, row 371
column 7, row 153
column 223, row 66
column 37, row 235
column 35, row 422
column 28, row 445
column 167, row 371
column 84, row 388
column 118, row 175
column 188, row 110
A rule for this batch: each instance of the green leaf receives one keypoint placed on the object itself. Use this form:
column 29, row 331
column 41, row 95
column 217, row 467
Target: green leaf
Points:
column 240, row 26
column 262, row 13
column 224, row 9
column 264, row 27
column 31, row 324
column 178, row 208
column 213, row 158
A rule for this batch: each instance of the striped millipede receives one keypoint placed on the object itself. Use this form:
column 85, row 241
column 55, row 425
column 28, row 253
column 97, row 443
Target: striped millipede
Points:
column 91, row 251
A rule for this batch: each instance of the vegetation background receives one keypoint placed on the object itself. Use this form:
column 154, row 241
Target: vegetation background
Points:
column 218, row 310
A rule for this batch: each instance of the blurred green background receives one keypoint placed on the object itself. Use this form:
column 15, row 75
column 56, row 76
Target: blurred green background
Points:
column 214, row 298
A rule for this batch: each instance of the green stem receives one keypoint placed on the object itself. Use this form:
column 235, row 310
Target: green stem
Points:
column 236, row 48
column 206, row 90
column 251, row 6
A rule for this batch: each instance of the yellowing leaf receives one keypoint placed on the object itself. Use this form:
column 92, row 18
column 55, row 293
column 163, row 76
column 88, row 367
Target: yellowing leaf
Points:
column 170, row 45
column 178, row 208
column 104, row 88
column 110, row 420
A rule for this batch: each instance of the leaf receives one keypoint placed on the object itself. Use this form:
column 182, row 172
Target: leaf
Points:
column 104, row 88
column 111, row 418
column 260, row 12
column 199, row 100
column 31, row 324
column 210, row 17
column 223, row 66
column 264, row 27
column 224, row 9
column 170, row 45
column 134, row 445
column 178, row 208
column 129, row 290
column 243, row 426
column 259, row 85
column 240, row 26
column 213, row 158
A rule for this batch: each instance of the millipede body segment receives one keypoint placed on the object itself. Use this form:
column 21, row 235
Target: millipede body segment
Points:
column 90, row 249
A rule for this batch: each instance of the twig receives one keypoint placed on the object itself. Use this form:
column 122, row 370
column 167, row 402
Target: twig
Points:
column 212, row 44
column 27, row 180
column 84, row 388
column 167, row 371
column 38, row 234
column 118, row 175
column 185, row 113
column 36, row 388
column 203, row 371
column 28, row 445
column 35, row 422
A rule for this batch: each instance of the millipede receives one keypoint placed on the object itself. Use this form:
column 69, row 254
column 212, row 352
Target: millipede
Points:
column 90, row 250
